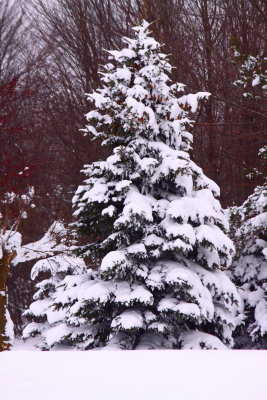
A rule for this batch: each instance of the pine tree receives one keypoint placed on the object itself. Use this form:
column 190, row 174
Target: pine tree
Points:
column 161, row 245
column 248, row 225
column 252, row 74
column 55, row 262
column 249, row 232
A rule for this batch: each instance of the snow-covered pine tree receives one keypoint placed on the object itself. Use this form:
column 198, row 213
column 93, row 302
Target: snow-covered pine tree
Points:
column 162, row 247
column 252, row 74
column 249, row 232
column 248, row 225
column 55, row 262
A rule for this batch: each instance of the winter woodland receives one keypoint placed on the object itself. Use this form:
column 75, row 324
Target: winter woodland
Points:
column 136, row 251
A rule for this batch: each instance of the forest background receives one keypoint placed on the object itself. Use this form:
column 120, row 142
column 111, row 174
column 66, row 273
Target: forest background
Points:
column 50, row 52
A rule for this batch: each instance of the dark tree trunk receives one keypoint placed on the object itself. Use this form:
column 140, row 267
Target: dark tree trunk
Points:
column 4, row 269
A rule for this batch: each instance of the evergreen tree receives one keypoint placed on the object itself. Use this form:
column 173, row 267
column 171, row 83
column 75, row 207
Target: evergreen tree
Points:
column 252, row 74
column 54, row 264
column 161, row 246
column 249, row 232
column 248, row 225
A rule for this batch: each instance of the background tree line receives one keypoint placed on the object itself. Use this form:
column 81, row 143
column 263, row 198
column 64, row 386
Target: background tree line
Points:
column 50, row 52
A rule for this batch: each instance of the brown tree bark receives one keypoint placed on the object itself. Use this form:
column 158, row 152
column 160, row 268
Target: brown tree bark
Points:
column 5, row 263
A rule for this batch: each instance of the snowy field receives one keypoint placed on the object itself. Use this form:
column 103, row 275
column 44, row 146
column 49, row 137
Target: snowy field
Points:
column 133, row 375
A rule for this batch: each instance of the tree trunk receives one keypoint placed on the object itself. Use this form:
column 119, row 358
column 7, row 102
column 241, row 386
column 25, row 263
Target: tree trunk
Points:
column 4, row 269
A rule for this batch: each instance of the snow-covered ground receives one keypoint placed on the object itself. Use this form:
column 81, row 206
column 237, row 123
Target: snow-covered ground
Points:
column 133, row 375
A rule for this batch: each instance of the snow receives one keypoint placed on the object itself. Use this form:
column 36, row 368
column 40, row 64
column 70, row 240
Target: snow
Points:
column 56, row 333
column 136, row 204
column 124, row 53
column 9, row 328
column 197, row 340
column 56, row 264
column 214, row 236
column 198, row 209
column 50, row 243
column 10, row 241
column 109, row 210
column 256, row 80
column 129, row 319
column 192, row 99
column 39, row 307
column 126, row 375
column 174, row 230
column 219, row 285
column 261, row 315
column 123, row 292
column 96, row 194
column 180, row 307
column 97, row 292
column 141, row 294
column 98, row 98
column 137, row 91
column 137, row 248
column 114, row 258
column 153, row 240
column 123, row 73
column 55, row 315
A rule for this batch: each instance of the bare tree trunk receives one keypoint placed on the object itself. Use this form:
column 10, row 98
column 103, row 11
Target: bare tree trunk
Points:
column 5, row 263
